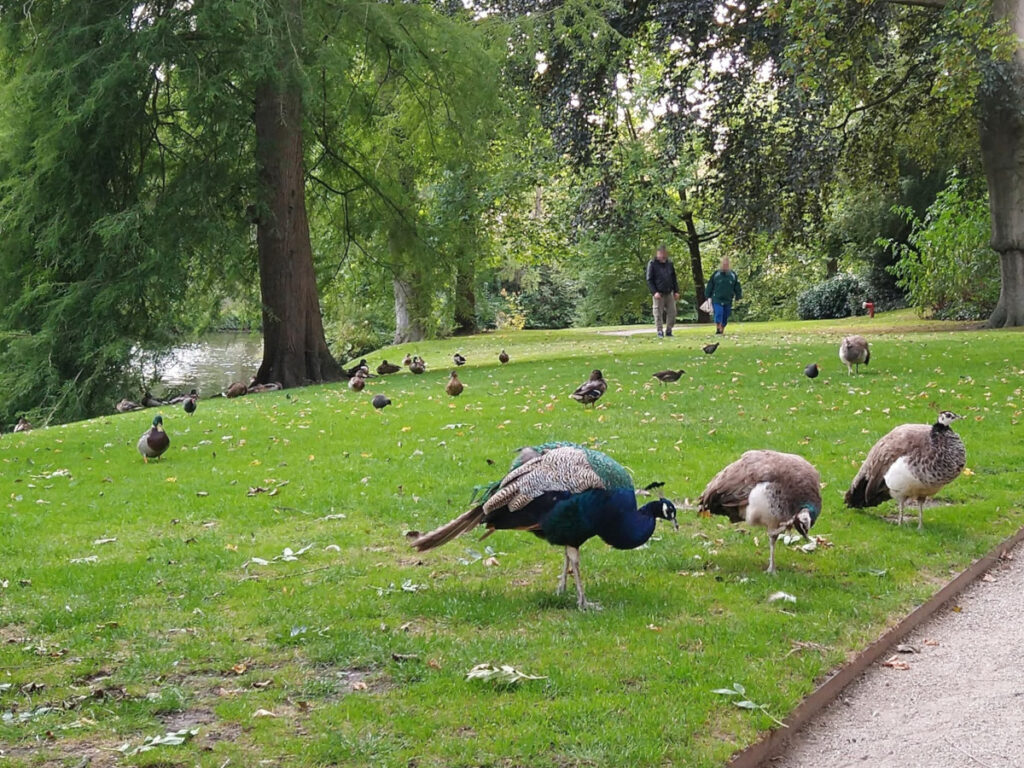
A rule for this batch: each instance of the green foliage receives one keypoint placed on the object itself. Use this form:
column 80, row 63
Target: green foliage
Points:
column 839, row 296
column 946, row 266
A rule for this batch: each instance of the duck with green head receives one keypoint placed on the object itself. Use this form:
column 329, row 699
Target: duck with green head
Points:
column 154, row 442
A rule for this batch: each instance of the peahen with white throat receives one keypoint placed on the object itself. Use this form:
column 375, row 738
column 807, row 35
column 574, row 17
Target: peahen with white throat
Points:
column 565, row 494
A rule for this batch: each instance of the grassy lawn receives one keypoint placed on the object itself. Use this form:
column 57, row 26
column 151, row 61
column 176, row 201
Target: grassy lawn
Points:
column 358, row 647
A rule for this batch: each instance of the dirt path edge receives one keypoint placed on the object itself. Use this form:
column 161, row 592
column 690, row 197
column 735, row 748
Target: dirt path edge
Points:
column 775, row 742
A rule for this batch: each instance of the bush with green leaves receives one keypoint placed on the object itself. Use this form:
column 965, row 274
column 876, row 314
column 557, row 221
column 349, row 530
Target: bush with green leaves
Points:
column 839, row 296
column 947, row 267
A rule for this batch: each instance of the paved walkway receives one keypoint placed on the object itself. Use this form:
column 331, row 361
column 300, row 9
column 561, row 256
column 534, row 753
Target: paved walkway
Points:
column 959, row 704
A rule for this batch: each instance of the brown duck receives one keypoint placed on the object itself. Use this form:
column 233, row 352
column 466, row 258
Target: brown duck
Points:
column 454, row 386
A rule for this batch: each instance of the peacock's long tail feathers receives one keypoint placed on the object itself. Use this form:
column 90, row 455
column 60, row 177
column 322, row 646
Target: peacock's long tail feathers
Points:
column 450, row 530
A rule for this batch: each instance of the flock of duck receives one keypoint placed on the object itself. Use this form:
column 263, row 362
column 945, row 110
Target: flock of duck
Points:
column 566, row 493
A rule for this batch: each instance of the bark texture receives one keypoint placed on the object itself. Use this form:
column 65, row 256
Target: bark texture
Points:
column 1002, row 150
column 696, row 267
column 465, row 297
column 408, row 325
column 295, row 350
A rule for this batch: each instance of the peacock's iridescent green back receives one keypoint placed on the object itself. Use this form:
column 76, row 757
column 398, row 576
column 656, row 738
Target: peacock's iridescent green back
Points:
column 612, row 474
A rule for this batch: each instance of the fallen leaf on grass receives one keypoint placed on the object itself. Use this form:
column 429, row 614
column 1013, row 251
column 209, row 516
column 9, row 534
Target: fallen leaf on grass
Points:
column 239, row 669
column 169, row 739
column 264, row 713
column 359, row 685
column 504, row 674
column 785, row 596
column 110, row 540
column 89, row 559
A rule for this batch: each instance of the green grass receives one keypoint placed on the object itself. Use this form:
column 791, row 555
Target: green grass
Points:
column 170, row 627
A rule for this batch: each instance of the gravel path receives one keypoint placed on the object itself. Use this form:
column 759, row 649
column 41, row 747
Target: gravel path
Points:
column 960, row 703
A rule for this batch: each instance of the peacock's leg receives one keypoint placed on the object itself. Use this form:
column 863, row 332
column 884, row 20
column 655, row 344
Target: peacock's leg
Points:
column 573, row 555
column 920, row 513
column 565, row 574
column 772, row 538
column 899, row 519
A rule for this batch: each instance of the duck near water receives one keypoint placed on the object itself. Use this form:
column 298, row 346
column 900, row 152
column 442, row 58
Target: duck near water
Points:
column 154, row 441
column 564, row 494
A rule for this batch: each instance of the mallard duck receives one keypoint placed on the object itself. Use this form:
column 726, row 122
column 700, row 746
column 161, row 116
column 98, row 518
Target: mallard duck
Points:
column 458, row 359
column 154, row 441
column 454, row 386
column 190, row 403
column 126, row 405
column 23, row 425
column 503, row 357
column 590, row 391
column 270, row 386
column 236, row 389
column 417, row 365
column 380, row 402
column 357, row 382
column 152, row 402
column 361, row 365
column 667, row 377
column 407, row 360
column 385, row 368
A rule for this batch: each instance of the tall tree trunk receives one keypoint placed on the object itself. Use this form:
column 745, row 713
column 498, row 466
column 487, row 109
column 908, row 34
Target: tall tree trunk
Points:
column 294, row 347
column 696, row 266
column 465, row 297
column 1002, row 152
column 408, row 325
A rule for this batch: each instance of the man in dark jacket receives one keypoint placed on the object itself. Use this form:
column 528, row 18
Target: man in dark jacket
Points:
column 661, row 280
column 723, row 288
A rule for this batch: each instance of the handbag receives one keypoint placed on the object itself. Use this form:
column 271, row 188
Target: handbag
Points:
column 706, row 307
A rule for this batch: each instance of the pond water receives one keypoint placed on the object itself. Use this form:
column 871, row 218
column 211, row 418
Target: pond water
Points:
column 209, row 364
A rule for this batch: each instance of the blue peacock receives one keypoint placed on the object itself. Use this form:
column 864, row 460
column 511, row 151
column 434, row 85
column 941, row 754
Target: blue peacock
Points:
column 565, row 494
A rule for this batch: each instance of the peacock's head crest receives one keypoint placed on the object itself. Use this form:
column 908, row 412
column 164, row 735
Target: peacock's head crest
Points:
column 945, row 418
column 664, row 509
column 805, row 519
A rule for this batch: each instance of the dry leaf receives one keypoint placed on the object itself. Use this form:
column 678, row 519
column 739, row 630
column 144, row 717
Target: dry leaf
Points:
column 264, row 713
column 239, row 668
column 359, row 685
column 894, row 662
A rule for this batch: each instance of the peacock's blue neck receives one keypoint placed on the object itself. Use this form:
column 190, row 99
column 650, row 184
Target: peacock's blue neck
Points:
column 624, row 526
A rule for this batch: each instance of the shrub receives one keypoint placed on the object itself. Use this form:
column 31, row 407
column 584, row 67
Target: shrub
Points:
column 839, row 296
column 948, row 267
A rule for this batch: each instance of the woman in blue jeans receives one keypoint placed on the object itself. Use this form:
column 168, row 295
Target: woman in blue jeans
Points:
column 723, row 288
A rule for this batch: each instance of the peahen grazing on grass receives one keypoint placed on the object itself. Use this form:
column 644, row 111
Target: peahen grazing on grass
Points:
column 854, row 351
column 776, row 490
column 912, row 462
column 565, row 494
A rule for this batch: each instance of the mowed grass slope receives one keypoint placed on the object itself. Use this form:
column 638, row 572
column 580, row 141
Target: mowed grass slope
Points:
column 359, row 646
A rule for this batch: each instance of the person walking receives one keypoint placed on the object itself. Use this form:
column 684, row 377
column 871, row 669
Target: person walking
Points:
column 723, row 288
column 664, row 287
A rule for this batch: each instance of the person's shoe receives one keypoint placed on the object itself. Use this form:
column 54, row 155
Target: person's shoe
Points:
column 719, row 332
column 668, row 333
column 660, row 334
